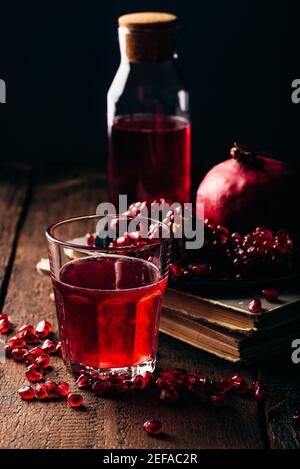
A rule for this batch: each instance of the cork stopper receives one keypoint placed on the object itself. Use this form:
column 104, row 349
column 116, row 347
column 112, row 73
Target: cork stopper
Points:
column 149, row 36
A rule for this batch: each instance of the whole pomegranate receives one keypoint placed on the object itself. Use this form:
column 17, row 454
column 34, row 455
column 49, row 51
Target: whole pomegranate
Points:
column 247, row 191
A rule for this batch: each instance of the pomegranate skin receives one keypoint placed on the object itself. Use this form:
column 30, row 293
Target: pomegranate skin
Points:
column 242, row 193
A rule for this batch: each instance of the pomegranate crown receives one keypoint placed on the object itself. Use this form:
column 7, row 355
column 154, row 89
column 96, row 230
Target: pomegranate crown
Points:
column 243, row 154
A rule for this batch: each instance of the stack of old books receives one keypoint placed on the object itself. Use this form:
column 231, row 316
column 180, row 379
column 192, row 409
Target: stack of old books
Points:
column 225, row 327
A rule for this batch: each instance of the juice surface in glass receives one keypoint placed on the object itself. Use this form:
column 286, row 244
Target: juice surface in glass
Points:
column 150, row 158
column 108, row 311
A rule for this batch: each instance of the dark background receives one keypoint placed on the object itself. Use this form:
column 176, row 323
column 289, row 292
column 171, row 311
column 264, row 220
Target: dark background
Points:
column 59, row 58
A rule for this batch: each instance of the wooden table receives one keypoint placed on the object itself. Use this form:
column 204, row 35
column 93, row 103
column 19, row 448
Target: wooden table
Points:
column 29, row 202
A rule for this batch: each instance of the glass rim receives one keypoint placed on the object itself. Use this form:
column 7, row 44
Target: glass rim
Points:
column 68, row 244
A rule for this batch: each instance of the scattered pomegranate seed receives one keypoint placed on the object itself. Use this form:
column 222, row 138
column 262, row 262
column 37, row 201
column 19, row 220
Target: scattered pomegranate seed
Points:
column 176, row 270
column 148, row 377
column 153, row 427
column 49, row 346
column 30, row 338
column 167, row 374
column 29, row 359
column 239, row 385
column 8, row 350
column 43, row 361
column 84, row 381
column 41, row 391
column 90, row 239
column 5, row 316
column 34, row 373
column 100, row 387
column 162, row 383
column 23, row 329
column 199, row 270
column 219, row 400
column 15, row 342
column 271, row 295
column 75, row 400
column 226, row 382
column 26, row 393
column 52, row 388
column 256, row 385
column 255, row 306
column 43, row 329
column 37, row 352
column 169, row 396
column 63, row 389
column 19, row 353
column 296, row 418
column 58, row 349
column 259, row 394
column 5, row 326
column 139, row 382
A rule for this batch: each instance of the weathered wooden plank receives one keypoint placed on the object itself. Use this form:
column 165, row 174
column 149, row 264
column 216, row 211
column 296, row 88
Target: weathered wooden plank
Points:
column 14, row 187
column 281, row 377
column 104, row 423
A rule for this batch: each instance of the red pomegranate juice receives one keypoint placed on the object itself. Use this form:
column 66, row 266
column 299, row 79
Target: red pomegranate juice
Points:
column 108, row 310
column 150, row 158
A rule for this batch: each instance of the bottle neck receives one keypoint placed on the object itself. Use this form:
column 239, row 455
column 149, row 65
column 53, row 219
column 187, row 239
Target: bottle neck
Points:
column 148, row 47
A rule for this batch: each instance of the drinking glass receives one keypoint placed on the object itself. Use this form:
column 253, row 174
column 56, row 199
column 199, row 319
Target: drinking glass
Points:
column 108, row 295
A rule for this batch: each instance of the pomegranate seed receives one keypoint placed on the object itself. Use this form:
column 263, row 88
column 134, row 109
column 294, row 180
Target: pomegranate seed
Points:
column 75, row 400
column 255, row 306
column 176, row 270
column 37, row 352
column 219, row 400
column 49, row 346
column 296, row 418
column 153, row 427
column 239, row 385
column 15, row 342
column 167, row 374
column 43, row 329
column 169, row 396
column 227, row 383
column 43, row 361
column 34, row 373
column 58, row 349
column 30, row 338
column 139, row 382
column 63, row 389
column 18, row 353
column 41, row 391
column 256, row 385
column 23, row 329
column 5, row 316
column 52, row 388
column 8, row 350
column 204, row 382
column 100, row 387
column 148, row 377
column 29, row 359
column 259, row 394
column 199, row 270
column 84, row 381
column 26, row 393
column 162, row 383
column 271, row 295
column 90, row 239
column 5, row 326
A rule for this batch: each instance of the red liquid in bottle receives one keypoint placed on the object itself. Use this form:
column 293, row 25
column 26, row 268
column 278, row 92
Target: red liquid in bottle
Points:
column 150, row 158
column 108, row 311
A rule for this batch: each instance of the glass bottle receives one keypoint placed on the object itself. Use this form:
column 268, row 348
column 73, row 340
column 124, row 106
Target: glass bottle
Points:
column 148, row 114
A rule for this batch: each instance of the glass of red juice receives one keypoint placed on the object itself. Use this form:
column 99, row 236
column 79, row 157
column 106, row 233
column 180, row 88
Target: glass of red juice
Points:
column 108, row 293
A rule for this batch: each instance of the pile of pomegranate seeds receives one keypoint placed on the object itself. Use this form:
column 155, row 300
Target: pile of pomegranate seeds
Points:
column 231, row 255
